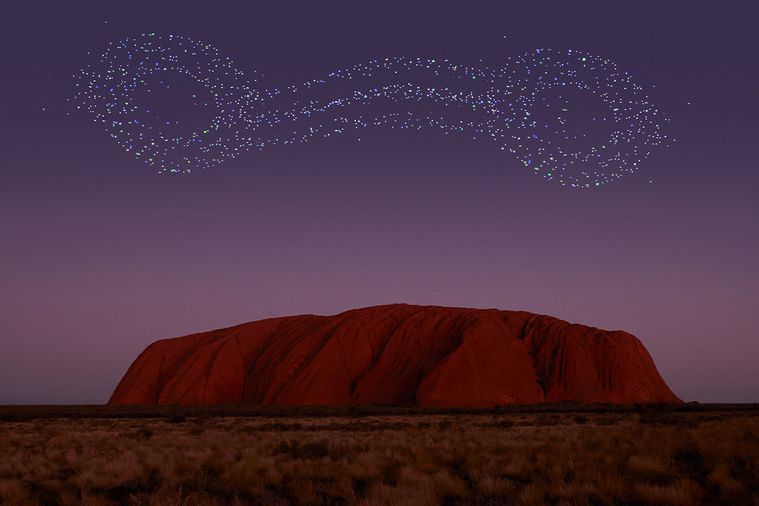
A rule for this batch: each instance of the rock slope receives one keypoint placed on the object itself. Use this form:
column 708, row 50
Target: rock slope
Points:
column 397, row 355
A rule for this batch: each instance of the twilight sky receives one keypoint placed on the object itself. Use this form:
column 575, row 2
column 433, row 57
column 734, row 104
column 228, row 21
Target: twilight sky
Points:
column 100, row 255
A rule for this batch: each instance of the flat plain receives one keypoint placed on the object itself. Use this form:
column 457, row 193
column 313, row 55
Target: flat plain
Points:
column 98, row 455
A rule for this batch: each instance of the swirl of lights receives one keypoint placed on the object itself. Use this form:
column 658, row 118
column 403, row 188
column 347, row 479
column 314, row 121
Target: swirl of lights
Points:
column 502, row 105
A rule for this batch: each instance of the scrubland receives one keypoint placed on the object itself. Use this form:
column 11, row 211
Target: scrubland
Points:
column 186, row 457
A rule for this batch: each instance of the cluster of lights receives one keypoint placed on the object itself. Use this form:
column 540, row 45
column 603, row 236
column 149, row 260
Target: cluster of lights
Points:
column 498, row 105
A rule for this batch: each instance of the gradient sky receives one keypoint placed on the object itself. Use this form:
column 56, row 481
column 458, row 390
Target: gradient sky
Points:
column 100, row 255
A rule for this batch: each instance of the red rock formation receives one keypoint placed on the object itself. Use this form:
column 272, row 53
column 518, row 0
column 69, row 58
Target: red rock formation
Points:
column 397, row 354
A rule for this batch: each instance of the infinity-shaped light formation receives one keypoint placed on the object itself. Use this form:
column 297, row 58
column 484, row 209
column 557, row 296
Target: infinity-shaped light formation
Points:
column 521, row 107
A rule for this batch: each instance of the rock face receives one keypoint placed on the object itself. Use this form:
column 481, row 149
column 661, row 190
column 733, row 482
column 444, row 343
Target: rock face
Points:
column 400, row 355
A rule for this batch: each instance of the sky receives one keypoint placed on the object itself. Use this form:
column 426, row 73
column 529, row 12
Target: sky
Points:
column 101, row 255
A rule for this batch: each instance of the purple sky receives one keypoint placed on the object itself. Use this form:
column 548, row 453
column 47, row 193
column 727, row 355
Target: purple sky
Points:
column 100, row 255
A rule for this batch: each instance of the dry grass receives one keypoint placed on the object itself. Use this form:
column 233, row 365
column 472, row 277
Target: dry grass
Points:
column 670, row 458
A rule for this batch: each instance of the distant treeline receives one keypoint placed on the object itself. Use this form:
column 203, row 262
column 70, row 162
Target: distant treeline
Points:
column 30, row 412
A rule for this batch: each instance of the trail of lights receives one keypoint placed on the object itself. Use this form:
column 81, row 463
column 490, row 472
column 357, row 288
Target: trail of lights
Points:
column 521, row 107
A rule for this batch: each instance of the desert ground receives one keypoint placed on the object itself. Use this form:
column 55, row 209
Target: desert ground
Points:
column 97, row 455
